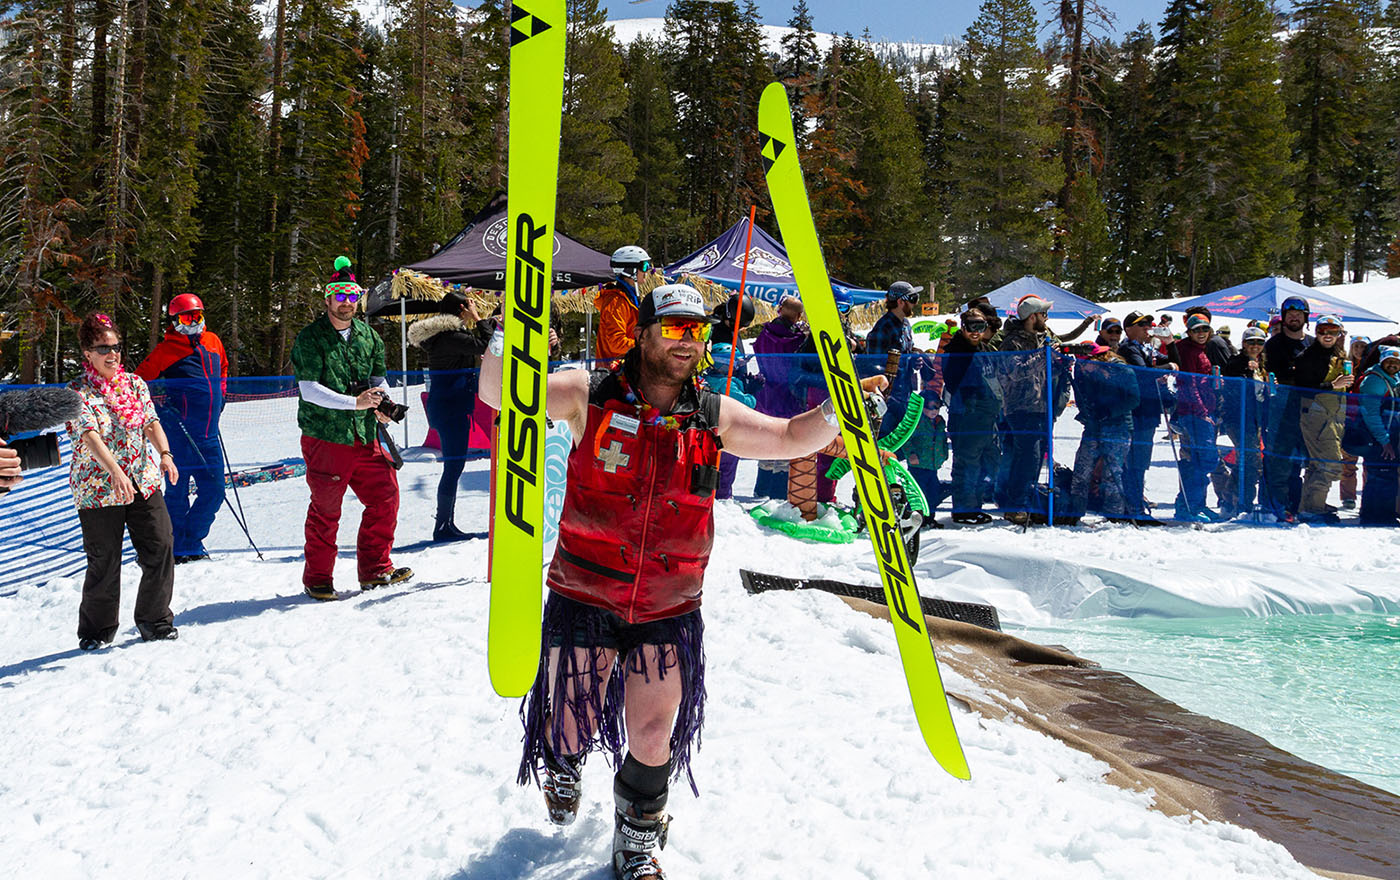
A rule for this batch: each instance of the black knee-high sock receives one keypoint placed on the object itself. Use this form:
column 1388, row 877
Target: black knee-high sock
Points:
column 643, row 786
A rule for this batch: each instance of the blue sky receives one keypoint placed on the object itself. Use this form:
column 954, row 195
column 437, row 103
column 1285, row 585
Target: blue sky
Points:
column 922, row 21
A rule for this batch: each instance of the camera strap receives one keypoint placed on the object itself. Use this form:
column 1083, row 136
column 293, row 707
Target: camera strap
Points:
column 388, row 449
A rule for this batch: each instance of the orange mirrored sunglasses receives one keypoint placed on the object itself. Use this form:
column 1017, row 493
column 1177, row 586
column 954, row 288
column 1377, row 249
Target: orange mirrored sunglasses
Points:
column 188, row 318
column 685, row 328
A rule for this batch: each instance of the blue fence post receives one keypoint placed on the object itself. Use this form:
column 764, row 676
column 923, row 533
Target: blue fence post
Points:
column 1246, row 385
column 1049, row 436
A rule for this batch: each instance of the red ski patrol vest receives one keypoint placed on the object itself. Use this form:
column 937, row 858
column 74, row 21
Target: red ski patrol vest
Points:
column 638, row 520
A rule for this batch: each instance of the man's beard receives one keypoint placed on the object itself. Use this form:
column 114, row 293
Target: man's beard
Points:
column 657, row 366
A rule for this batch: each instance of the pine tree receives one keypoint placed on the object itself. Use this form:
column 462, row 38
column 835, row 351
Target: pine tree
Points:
column 836, row 195
column 1322, row 73
column 1083, row 24
column 1089, row 246
column 232, row 190
column 798, row 67
column 1000, row 169
column 595, row 163
column 716, row 58
column 1227, row 182
column 324, row 152
column 649, row 129
column 1133, row 173
column 421, row 64
column 174, row 83
column 35, row 235
column 887, row 164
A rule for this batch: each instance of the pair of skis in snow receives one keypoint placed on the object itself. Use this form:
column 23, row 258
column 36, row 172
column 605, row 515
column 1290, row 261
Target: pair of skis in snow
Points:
column 536, row 92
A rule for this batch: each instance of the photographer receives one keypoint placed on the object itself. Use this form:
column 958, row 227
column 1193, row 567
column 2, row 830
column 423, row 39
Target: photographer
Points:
column 340, row 439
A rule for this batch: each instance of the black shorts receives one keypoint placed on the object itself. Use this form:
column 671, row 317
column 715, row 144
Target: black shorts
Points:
column 595, row 627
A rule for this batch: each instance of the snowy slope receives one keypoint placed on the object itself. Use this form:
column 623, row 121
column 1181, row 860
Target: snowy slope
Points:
column 283, row 738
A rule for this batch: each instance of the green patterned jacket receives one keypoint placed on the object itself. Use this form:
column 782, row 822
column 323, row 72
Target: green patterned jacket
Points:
column 321, row 355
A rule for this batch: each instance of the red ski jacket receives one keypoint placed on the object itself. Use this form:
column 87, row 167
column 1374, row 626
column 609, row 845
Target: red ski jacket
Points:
column 638, row 519
column 196, row 370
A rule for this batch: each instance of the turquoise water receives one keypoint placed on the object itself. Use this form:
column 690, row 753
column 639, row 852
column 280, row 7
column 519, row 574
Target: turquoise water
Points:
column 1324, row 687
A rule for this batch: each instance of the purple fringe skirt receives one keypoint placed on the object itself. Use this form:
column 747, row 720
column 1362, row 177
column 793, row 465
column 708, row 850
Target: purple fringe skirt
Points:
column 595, row 705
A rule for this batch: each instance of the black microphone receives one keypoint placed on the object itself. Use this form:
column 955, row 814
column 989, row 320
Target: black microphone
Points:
column 35, row 409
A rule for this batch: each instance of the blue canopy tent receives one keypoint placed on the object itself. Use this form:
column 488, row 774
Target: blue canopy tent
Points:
column 769, row 275
column 1063, row 304
column 1261, row 299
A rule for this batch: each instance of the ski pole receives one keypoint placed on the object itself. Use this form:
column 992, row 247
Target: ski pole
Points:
column 241, row 517
column 236, row 518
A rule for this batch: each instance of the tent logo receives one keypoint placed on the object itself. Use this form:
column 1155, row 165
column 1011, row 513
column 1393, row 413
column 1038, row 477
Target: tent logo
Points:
column 769, row 152
column 762, row 262
column 704, row 260
column 493, row 239
column 522, row 30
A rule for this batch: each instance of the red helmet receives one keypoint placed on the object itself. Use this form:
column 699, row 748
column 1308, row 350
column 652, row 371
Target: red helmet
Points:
column 185, row 302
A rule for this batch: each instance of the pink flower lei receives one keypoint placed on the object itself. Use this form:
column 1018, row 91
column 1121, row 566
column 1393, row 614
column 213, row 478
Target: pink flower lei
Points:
column 120, row 395
column 649, row 414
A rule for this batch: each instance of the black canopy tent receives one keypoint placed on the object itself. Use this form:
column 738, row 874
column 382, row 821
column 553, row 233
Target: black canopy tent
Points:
column 476, row 256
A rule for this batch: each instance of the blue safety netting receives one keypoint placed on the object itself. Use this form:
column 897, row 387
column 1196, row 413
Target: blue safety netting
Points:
column 1127, row 443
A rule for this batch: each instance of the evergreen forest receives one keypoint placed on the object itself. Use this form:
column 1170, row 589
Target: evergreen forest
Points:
column 233, row 149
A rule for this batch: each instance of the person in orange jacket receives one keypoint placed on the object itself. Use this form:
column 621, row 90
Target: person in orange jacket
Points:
column 194, row 368
column 617, row 303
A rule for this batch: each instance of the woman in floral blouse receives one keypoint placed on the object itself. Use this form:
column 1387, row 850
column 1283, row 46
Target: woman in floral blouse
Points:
column 119, row 454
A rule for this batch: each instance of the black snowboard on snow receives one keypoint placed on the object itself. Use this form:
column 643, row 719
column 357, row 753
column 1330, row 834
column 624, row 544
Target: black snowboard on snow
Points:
column 984, row 616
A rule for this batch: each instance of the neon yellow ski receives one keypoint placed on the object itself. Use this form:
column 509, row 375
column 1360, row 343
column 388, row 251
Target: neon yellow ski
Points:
column 517, row 531
column 794, row 214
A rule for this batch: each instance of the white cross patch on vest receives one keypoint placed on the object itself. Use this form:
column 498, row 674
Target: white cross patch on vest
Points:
column 613, row 457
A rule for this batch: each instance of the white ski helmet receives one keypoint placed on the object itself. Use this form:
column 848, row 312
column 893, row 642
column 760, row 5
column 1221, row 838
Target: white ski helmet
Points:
column 628, row 259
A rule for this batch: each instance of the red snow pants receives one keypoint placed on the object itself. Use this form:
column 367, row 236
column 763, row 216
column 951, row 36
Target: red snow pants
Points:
column 331, row 468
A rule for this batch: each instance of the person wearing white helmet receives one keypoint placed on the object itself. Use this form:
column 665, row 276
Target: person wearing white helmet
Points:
column 618, row 302
column 622, row 648
column 1377, row 438
column 1322, row 380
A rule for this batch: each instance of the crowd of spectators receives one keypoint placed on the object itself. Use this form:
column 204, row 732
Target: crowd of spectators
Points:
column 1261, row 431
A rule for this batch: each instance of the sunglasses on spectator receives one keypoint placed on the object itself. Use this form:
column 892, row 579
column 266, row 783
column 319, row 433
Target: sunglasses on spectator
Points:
column 685, row 328
column 977, row 327
column 1329, row 332
column 1113, row 329
column 347, row 297
column 1254, row 342
column 189, row 318
column 1199, row 330
column 105, row 350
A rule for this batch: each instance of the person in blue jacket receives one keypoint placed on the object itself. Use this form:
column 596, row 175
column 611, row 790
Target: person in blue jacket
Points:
column 1139, row 353
column 1380, row 417
column 1105, row 393
column 191, row 362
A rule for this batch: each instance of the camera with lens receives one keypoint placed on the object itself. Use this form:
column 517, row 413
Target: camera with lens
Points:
column 394, row 411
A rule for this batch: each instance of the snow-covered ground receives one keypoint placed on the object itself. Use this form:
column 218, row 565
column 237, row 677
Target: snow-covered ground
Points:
column 285, row 738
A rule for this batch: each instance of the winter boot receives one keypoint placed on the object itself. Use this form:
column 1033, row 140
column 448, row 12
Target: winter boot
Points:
column 636, row 839
column 446, row 530
column 387, row 578
column 562, row 787
column 321, row 592
column 157, row 632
